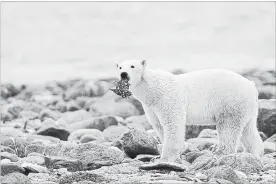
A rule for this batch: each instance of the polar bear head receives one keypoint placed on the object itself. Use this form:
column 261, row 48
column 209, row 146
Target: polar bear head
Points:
column 131, row 70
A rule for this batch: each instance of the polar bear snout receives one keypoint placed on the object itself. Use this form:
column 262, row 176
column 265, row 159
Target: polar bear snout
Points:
column 124, row 75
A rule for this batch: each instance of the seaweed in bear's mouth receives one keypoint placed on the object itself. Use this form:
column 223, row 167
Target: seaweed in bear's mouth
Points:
column 122, row 88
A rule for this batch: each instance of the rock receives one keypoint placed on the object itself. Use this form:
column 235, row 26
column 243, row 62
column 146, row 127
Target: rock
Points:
column 28, row 114
column 72, row 106
column 47, row 113
column 272, row 139
column 15, row 178
column 33, row 168
column 267, row 92
column 201, row 143
column 7, row 149
column 88, row 138
column 57, row 162
column 34, row 107
column 12, row 157
column 192, row 131
column 54, row 88
column 263, row 136
column 46, row 99
column 269, row 147
column 245, row 162
column 42, row 178
column 8, row 90
column 225, row 172
column 267, row 117
column 73, row 117
column 43, row 139
column 37, row 148
column 10, row 168
column 52, row 128
column 145, row 158
column 81, row 176
column 5, row 161
column 269, row 163
column 61, row 106
column 164, row 165
column 114, row 132
column 16, row 144
column 138, row 122
column 94, row 134
column 109, row 107
column 178, row 71
column 208, row 133
column 191, row 156
column 34, row 159
column 260, row 76
column 15, row 108
column 137, row 142
column 94, row 156
column 99, row 123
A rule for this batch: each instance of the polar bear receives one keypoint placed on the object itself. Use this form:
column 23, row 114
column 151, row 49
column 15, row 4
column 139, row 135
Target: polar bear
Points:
column 206, row 97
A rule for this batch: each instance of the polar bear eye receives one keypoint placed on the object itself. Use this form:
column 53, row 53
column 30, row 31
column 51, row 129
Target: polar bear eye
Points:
column 120, row 67
column 132, row 66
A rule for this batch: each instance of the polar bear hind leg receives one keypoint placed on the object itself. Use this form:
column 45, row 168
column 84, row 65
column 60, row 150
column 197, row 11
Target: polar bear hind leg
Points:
column 251, row 138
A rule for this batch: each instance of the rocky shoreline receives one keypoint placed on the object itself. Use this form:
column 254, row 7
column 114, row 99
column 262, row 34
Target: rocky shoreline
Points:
column 79, row 132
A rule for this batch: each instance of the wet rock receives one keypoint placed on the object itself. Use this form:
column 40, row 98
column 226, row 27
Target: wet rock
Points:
column 138, row 122
column 93, row 133
column 10, row 168
column 33, row 168
column 82, row 176
column 192, row 131
column 12, row 157
column 208, row 133
column 137, row 142
column 267, row 117
column 52, row 128
column 109, row 107
column 99, row 123
column 15, row 178
column 57, row 162
column 94, row 156
column 47, row 113
column 164, row 165
column 113, row 133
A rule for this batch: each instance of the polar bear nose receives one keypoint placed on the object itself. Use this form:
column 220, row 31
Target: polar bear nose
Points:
column 123, row 75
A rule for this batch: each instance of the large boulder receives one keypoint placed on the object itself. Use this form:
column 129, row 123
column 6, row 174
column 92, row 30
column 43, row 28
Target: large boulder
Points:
column 137, row 142
column 267, row 117
column 9, row 90
column 110, row 107
column 52, row 128
column 94, row 155
column 94, row 134
column 138, row 122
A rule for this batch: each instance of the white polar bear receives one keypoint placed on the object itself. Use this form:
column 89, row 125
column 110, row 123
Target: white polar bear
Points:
column 206, row 97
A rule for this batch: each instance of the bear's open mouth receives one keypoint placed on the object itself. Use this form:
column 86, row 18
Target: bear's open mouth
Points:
column 122, row 88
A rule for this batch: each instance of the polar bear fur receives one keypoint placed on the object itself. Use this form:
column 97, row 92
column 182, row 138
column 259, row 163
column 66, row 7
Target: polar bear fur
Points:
column 206, row 97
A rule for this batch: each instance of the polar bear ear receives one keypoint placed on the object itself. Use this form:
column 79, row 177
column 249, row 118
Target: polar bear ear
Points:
column 116, row 64
column 144, row 63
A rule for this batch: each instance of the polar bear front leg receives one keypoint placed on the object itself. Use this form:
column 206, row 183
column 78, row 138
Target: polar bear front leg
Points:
column 174, row 129
column 154, row 122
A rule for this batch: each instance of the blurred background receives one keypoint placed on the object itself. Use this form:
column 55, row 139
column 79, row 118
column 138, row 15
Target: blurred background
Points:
column 43, row 41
